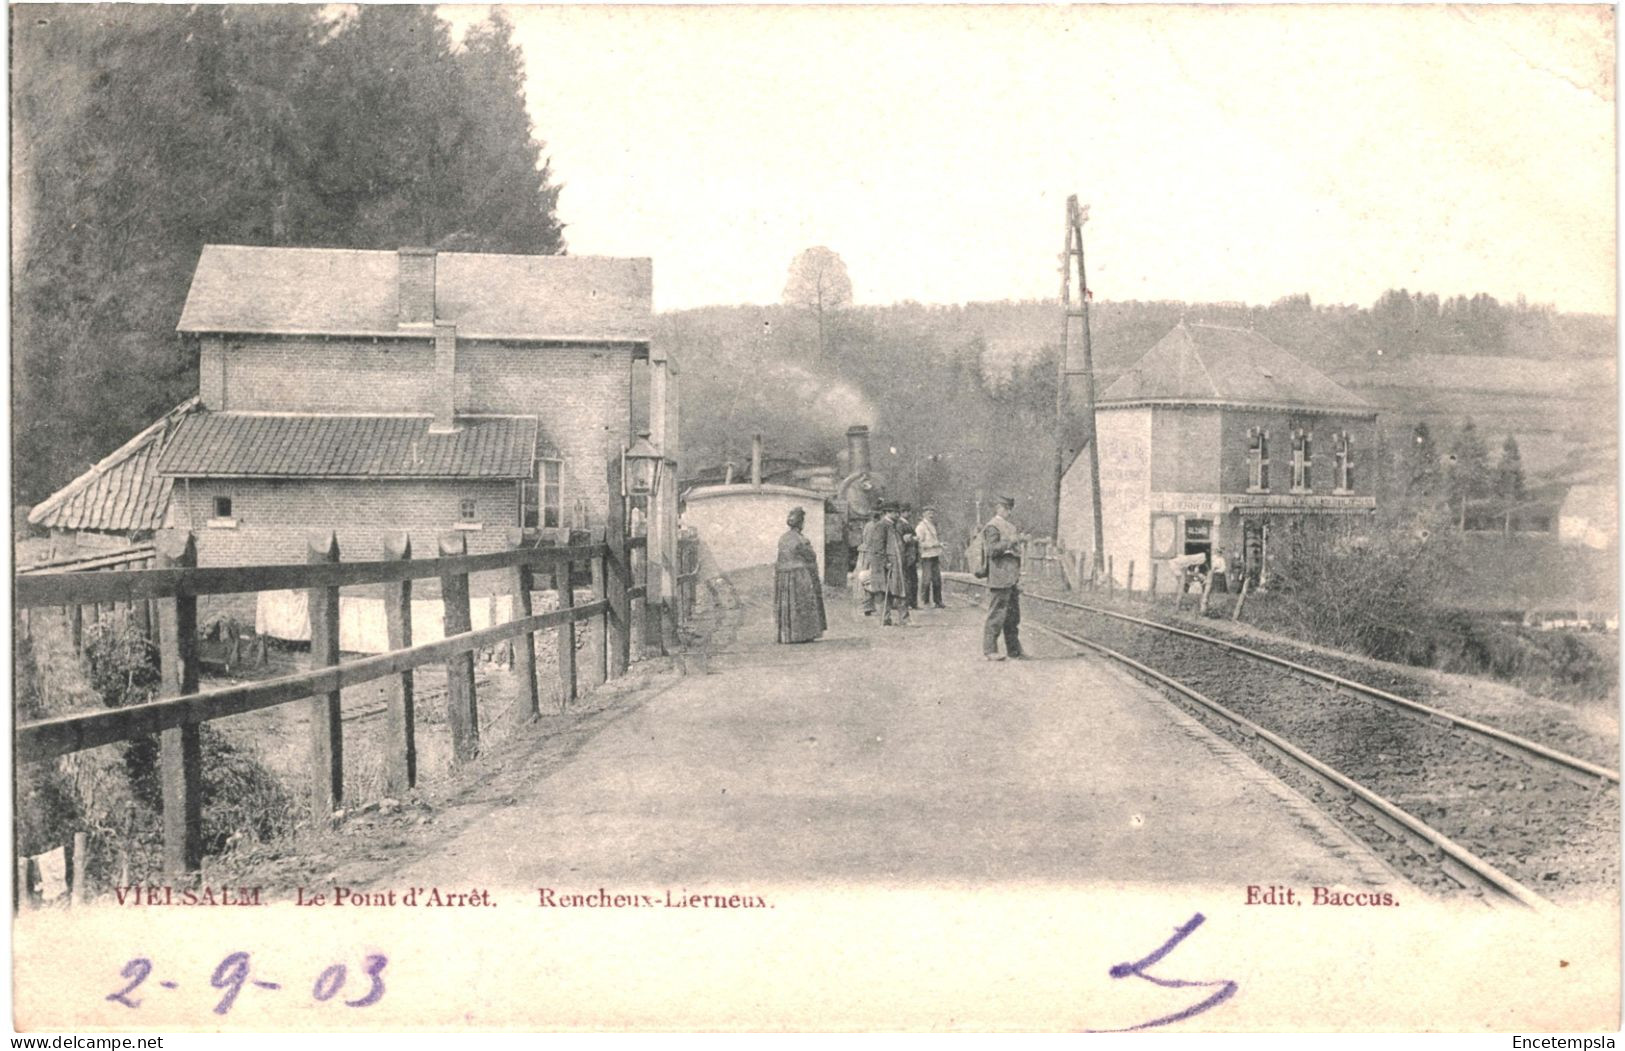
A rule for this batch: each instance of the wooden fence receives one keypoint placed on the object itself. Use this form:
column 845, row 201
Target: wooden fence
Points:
column 143, row 611
column 619, row 575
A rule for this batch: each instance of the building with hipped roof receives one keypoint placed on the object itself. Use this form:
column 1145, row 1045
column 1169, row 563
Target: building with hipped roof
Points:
column 1209, row 440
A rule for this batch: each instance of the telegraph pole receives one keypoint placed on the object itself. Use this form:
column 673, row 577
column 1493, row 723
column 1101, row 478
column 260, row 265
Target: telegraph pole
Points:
column 1075, row 218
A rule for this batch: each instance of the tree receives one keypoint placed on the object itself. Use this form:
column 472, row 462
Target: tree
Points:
column 143, row 132
column 1422, row 466
column 1509, row 484
column 818, row 282
column 1469, row 469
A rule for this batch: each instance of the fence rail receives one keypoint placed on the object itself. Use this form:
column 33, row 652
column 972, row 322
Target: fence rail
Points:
column 615, row 615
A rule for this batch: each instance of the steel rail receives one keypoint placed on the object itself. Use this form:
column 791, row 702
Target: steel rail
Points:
column 1457, row 862
column 1508, row 744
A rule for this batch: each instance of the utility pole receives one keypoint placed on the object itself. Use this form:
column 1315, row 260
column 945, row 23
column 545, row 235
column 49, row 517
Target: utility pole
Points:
column 1075, row 218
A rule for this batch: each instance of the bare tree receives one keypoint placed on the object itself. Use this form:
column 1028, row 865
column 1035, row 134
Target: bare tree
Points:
column 818, row 282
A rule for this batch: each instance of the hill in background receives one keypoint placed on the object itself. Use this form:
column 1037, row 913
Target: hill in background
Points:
column 961, row 398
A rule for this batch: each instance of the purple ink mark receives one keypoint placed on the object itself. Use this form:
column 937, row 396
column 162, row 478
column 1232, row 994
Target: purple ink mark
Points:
column 266, row 985
column 1137, row 969
column 169, row 985
column 375, row 970
column 230, row 976
column 136, row 970
column 328, row 983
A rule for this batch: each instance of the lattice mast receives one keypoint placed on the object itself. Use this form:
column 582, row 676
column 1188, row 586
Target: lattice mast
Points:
column 1075, row 218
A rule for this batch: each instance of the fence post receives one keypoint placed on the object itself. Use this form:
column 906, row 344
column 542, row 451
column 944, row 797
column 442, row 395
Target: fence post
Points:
column 76, row 627
column 616, row 575
column 566, row 634
column 180, row 760
column 598, row 626
column 401, row 747
column 1241, row 596
column 462, row 709
column 326, row 721
column 1130, row 587
column 1153, row 593
column 1111, row 577
column 524, row 647
column 637, row 562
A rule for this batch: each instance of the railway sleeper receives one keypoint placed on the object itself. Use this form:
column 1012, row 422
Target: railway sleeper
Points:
column 1375, row 815
column 1460, row 874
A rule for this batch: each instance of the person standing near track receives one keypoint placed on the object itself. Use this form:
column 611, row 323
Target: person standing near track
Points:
column 1000, row 539
column 930, row 558
column 911, row 556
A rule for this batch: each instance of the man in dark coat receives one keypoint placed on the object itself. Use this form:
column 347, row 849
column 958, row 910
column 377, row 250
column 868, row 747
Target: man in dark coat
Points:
column 1000, row 539
column 911, row 556
column 871, row 550
column 889, row 577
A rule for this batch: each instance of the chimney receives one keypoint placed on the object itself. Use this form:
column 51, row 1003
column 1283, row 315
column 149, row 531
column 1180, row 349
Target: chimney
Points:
column 756, row 461
column 444, row 394
column 857, row 449
column 415, row 286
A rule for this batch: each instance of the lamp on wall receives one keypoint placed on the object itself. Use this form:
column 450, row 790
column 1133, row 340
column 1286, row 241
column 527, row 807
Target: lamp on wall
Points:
column 640, row 467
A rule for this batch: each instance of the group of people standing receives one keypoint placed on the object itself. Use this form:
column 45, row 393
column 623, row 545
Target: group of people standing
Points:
column 899, row 561
column 899, row 565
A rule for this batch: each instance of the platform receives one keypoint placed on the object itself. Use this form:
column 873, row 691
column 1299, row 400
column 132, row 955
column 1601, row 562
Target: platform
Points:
column 900, row 756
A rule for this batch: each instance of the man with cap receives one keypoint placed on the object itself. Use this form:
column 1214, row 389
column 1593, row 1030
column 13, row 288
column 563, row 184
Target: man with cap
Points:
column 930, row 558
column 999, row 539
column 911, row 555
column 889, row 567
column 871, row 560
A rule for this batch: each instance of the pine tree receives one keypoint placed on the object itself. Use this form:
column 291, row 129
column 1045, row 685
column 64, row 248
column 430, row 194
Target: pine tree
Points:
column 1469, row 470
column 1422, row 465
column 1509, row 483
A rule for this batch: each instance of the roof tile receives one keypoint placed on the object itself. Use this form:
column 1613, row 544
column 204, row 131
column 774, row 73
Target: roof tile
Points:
column 123, row 492
column 328, row 291
column 1212, row 364
column 224, row 444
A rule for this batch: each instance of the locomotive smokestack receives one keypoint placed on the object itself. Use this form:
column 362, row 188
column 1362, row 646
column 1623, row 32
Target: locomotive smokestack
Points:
column 756, row 461
column 857, row 449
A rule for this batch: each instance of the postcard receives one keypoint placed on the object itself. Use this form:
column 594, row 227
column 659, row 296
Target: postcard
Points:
column 792, row 519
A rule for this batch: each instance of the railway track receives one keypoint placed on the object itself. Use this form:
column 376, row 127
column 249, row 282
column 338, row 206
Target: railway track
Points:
column 1435, row 794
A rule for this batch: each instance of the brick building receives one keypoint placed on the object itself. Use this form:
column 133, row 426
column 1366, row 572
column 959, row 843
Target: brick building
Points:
column 1212, row 437
column 369, row 392
column 374, row 391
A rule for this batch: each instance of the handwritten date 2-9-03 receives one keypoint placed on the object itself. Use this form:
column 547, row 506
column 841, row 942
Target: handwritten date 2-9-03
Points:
column 232, row 976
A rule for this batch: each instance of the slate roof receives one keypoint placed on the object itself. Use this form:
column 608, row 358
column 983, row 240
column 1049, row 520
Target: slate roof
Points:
column 330, row 291
column 1216, row 365
column 249, row 445
column 123, row 492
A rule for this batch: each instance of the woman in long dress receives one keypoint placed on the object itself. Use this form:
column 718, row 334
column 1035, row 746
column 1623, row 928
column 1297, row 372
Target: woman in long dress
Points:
column 797, row 594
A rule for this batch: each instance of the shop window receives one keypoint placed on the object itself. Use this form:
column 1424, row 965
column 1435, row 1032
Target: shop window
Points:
column 1302, row 455
column 1258, row 460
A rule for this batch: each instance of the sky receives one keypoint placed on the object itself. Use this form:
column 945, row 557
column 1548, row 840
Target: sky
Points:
column 1226, row 154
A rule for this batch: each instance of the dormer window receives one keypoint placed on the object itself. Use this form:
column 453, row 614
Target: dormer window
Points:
column 1343, row 455
column 1258, row 460
column 1302, row 454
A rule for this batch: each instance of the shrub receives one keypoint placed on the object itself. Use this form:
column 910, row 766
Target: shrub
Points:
column 115, row 794
column 1368, row 590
